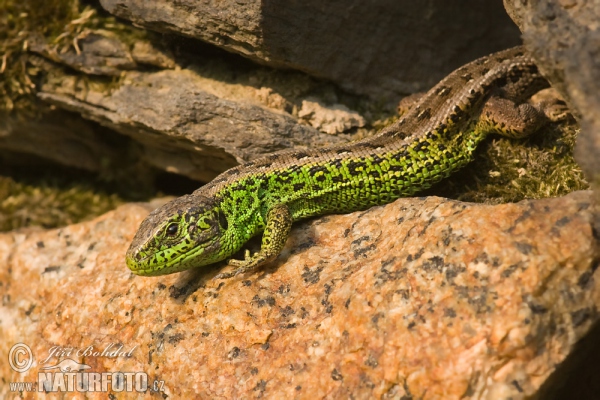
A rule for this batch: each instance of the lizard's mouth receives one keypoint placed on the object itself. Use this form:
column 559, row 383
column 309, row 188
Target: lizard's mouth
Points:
column 157, row 264
column 173, row 259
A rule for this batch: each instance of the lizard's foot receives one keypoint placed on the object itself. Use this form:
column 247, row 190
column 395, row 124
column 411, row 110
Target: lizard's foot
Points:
column 279, row 222
column 551, row 104
column 249, row 263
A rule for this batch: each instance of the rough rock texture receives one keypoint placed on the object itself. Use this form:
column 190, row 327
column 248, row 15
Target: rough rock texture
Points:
column 335, row 119
column 95, row 54
column 104, row 53
column 192, row 116
column 564, row 36
column 189, row 109
column 185, row 129
column 381, row 47
column 61, row 137
column 190, row 121
column 424, row 298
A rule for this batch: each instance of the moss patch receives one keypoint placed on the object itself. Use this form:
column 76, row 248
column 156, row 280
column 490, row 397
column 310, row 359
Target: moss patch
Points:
column 51, row 196
column 19, row 19
column 59, row 23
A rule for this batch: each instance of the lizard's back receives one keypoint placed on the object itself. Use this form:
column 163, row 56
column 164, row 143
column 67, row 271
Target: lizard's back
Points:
column 436, row 137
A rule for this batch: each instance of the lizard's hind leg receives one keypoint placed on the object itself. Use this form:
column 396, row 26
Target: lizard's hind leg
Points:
column 504, row 116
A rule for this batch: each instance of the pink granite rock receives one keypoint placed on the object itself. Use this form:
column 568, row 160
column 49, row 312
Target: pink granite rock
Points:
column 424, row 298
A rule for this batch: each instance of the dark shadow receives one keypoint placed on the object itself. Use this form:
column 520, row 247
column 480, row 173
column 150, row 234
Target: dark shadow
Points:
column 385, row 45
column 577, row 376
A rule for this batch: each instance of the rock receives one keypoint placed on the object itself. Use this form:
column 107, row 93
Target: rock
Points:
column 423, row 298
column 149, row 54
column 330, row 119
column 564, row 37
column 381, row 48
column 63, row 138
column 196, row 114
column 95, row 53
column 187, row 123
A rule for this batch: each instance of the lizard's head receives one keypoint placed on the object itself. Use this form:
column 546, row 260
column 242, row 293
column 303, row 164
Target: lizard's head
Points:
column 182, row 234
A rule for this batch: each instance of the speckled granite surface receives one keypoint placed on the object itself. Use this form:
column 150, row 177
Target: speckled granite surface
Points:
column 426, row 297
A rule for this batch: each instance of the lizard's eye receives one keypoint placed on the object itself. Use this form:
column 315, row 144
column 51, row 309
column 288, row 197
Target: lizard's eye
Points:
column 172, row 229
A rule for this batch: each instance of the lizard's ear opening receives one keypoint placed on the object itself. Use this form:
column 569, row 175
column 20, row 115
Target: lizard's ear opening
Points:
column 222, row 220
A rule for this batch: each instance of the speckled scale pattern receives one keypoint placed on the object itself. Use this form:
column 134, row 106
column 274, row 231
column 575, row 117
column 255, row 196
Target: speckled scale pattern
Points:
column 433, row 139
column 436, row 137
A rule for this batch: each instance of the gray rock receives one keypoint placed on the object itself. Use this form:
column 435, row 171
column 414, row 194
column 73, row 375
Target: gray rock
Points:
column 564, row 37
column 197, row 120
column 61, row 137
column 381, row 47
column 183, row 127
column 95, row 53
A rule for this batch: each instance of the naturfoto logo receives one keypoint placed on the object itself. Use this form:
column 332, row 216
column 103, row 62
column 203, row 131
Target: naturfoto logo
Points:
column 63, row 371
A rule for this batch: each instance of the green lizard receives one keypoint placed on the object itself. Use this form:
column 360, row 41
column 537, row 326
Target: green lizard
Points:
column 433, row 139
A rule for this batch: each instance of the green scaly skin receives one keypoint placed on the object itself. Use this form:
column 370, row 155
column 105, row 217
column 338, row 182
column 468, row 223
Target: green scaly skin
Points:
column 434, row 139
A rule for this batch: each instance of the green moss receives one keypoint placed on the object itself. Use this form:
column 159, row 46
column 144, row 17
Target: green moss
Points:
column 59, row 23
column 19, row 19
column 49, row 202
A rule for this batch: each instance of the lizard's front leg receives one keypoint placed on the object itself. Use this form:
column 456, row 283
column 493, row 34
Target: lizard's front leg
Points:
column 277, row 229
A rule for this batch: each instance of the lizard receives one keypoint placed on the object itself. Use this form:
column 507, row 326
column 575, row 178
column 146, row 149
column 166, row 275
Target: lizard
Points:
column 436, row 137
